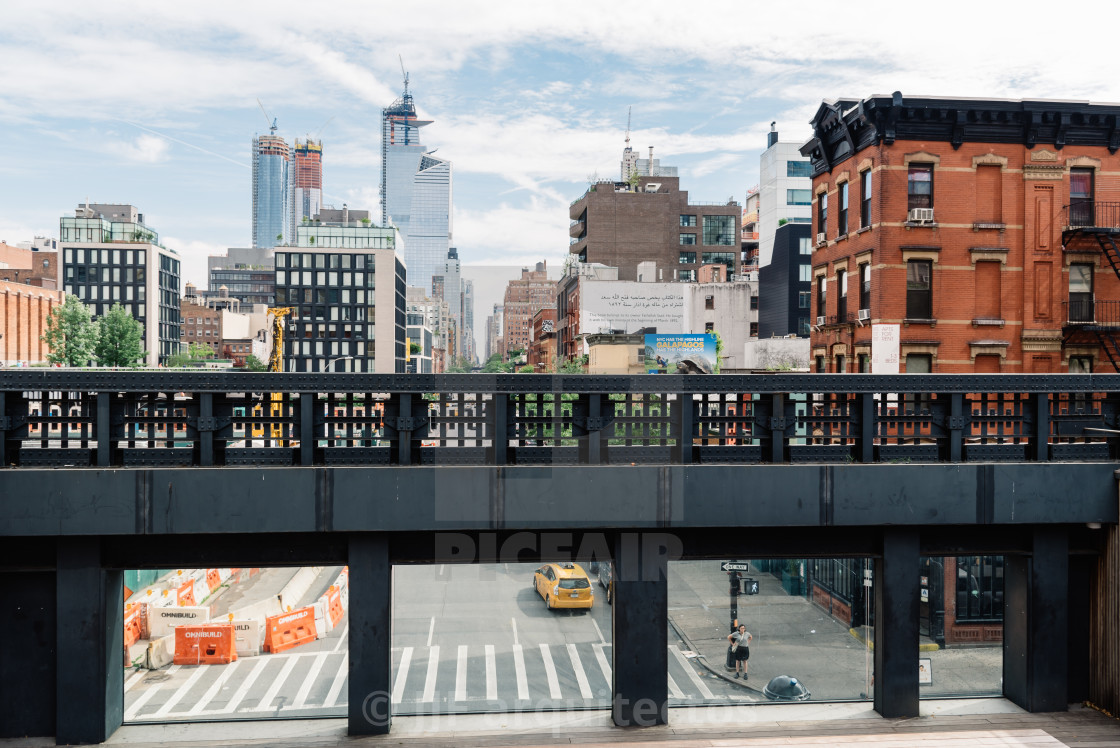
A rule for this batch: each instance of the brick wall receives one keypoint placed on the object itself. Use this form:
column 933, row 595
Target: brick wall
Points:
column 23, row 320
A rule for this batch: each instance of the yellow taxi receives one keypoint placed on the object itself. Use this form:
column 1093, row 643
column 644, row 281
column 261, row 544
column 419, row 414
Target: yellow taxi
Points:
column 564, row 586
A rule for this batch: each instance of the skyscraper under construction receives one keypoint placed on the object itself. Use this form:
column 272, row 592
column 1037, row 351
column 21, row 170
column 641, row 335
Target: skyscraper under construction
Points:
column 415, row 191
column 272, row 193
column 307, row 181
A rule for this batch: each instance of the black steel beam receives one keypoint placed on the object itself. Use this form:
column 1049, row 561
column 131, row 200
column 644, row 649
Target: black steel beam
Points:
column 370, row 636
column 896, row 624
column 640, row 608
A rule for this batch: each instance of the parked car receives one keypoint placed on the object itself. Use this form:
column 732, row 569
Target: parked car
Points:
column 606, row 579
column 786, row 688
column 564, row 586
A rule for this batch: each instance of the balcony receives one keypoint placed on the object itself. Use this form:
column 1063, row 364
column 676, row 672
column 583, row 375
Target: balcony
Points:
column 1088, row 215
column 1091, row 314
column 577, row 228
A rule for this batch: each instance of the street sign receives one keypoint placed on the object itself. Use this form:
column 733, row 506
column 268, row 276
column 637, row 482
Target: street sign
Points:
column 735, row 566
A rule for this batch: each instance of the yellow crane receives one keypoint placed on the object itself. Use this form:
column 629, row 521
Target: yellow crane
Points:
column 275, row 363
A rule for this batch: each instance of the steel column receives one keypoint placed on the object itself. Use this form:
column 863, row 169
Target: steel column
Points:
column 1035, row 623
column 640, row 637
column 371, row 635
column 897, row 590
column 89, row 681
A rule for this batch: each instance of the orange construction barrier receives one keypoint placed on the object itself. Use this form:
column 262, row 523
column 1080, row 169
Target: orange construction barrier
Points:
column 184, row 596
column 205, row 644
column 132, row 620
column 213, row 579
column 289, row 630
column 334, row 605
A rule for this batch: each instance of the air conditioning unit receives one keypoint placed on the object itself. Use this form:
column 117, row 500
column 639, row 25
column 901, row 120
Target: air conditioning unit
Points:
column 863, row 315
column 820, row 321
column 821, row 238
column 921, row 215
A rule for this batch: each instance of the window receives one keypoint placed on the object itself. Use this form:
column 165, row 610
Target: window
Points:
column 688, row 239
column 709, row 326
column 979, row 588
column 822, row 295
column 919, row 186
column 754, row 302
column 919, row 363
column 842, row 215
column 805, row 274
column 842, row 296
column 865, row 199
column 805, row 245
column 718, row 258
column 804, row 299
column 719, row 230
column 821, row 368
column 865, row 285
column 1080, row 364
column 799, row 197
column 799, row 169
column 1081, row 293
column 863, row 361
column 709, row 302
column 841, row 365
column 687, row 275
column 1081, row 197
column 919, row 296
column 822, row 213
column 754, row 330
column 803, row 327
column 688, row 220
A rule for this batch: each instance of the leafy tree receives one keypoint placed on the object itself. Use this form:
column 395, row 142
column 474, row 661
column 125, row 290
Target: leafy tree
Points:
column 719, row 350
column 119, row 339
column 71, row 334
column 195, row 353
column 460, row 366
column 526, row 369
column 577, row 365
column 495, row 365
column 252, row 363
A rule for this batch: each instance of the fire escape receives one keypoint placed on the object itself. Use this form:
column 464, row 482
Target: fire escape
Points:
column 1086, row 226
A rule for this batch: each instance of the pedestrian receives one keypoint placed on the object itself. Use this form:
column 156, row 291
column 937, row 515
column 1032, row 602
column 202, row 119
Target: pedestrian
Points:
column 740, row 645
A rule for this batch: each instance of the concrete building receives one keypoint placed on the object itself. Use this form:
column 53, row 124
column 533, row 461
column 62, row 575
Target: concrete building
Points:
column 420, row 337
column 453, row 295
column 785, row 284
column 248, row 274
column 416, row 191
column 621, row 226
column 749, row 233
column 469, row 347
column 616, row 353
column 523, row 298
column 434, row 315
column 307, row 181
column 346, row 287
column 785, row 194
column 272, row 190
column 494, row 332
column 984, row 235
column 24, row 309
column 110, row 256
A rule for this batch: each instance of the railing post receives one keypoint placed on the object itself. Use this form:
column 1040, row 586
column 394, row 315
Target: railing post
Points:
column 5, row 426
column 684, row 420
column 777, row 427
column 499, row 425
column 956, row 426
column 206, row 429
column 307, row 427
column 865, row 406
column 1040, row 451
column 104, row 427
column 640, row 692
column 404, row 436
column 371, row 635
column 594, row 433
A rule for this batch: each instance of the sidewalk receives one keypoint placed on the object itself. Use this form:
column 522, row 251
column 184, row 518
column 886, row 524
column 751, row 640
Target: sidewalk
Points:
column 792, row 636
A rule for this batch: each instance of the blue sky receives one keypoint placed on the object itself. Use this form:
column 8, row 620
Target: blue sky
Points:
column 155, row 104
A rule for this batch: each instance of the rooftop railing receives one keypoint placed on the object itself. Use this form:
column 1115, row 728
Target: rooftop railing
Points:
column 61, row 418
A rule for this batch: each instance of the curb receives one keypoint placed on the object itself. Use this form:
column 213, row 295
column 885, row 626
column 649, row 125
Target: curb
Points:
column 931, row 647
column 704, row 660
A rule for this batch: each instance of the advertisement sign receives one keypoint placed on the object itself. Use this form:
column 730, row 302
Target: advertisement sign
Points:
column 885, row 348
column 680, row 354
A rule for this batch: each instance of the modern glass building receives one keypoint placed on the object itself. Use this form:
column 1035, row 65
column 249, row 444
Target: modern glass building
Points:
column 416, row 190
column 307, row 181
column 272, row 192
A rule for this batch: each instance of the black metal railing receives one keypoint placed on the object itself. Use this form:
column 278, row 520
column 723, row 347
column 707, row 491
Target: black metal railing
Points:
column 1081, row 214
column 62, row 418
column 1092, row 312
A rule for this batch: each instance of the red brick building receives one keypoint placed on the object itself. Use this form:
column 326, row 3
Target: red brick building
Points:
column 23, row 320
column 524, row 297
column 542, row 343
column 985, row 229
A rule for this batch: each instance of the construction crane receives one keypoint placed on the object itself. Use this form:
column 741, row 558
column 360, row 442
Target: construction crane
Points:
column 276, row 357
column 272, row 128
column 405, row 74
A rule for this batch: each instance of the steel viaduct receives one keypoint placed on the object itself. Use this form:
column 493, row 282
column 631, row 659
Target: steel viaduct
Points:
column 107, row 471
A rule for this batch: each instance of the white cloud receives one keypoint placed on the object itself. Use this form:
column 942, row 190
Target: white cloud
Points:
column 147, row 149
column 514, row 235
column 192, row 258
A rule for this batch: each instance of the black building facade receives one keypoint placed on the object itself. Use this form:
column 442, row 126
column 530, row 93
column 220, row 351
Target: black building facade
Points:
column 785, row 285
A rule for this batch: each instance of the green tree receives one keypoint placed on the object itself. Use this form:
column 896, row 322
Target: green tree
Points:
column 526, row 369
column 119, row 339
column 252, row 363
column 70, row 334
column 195, row 353
column 460, row 366
column 577, row 365
column 495, row 365
column 719, row 351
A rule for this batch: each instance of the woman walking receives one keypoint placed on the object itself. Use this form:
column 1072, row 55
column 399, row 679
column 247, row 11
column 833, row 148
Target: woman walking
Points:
column 740, row 646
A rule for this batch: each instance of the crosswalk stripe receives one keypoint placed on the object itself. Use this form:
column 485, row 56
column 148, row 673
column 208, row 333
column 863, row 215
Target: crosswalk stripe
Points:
column 180, row 692
column 215, row 688
column 309, row 681
column 342, row 639
column 674, row 689
column 519, row 669
column 550, row 671
column 700, row 685
column 430, row 680
column 491, row 674
column 339, row 679
column 265, row 704
column 402, row 674
column 136, row 678
column 604, row 665
column 145, row 697
column 581, row 676
column 461, row 674
column 239, row 696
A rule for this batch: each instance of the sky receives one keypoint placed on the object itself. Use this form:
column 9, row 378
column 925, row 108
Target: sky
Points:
column 156, row 104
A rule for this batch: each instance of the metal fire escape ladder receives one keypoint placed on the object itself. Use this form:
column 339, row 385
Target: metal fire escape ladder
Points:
column 1111, row 347
column 1111, row 251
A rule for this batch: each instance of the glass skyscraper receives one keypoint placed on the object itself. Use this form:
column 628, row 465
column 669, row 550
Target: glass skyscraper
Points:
column 272, row 192
column 415, row 192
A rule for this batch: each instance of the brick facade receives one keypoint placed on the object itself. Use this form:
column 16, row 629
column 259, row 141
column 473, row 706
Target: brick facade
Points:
column 524, row 297
column 23, row 320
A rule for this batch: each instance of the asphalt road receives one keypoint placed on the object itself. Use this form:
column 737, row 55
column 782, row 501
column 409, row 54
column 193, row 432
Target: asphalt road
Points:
column 465, row 639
